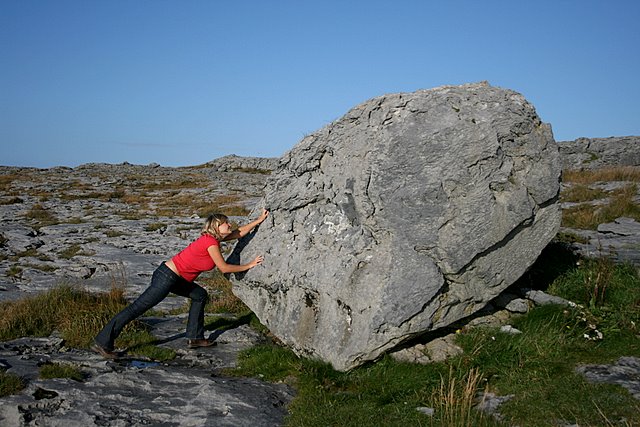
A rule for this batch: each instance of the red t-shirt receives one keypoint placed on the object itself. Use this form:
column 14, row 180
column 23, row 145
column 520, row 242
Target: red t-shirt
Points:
column 195, row 258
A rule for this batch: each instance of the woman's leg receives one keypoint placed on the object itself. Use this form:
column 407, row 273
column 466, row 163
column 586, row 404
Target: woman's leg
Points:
column 199, row 298
column 161, row 283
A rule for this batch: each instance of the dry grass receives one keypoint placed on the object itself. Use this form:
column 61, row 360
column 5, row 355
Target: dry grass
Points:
column 192, row 180
column 7, row 180
column 76, row 313
column 582, row 193
column 155, row 226
column 620, row 173
column 135, row 199
column 41, row 215
column 253, row 170
column 222, row 299
column 12, row 200
column 188, row 204
column 455, row 399
column 588, row 217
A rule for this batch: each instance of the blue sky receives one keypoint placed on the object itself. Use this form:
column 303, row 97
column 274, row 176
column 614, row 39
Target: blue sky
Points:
column 183, row 82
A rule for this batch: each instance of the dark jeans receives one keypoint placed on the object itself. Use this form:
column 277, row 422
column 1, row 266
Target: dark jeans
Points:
column 163, row 281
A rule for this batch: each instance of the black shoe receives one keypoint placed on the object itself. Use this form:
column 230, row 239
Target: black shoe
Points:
column 107, row 354
column 201, row 342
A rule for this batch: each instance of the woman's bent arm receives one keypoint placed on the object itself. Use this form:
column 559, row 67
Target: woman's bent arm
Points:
column 224, row 267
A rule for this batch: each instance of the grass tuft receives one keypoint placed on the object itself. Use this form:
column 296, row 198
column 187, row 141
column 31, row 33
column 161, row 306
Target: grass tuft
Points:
column 41, row 215
column 76, row 313
column 60, row 370
column 10, row 384
column 222, row 299
column 455, row 398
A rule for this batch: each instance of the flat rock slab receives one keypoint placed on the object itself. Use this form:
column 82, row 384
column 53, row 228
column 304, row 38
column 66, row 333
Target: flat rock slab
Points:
column 618, row 240
column 187, row 391
column 150, row 396
column 625, row 372
column 621, row 226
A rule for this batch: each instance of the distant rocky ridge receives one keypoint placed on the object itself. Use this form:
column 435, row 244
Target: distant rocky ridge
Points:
column 238, row 163
column 595, row 153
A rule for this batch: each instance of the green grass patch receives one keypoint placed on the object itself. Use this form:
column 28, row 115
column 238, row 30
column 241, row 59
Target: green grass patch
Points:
column 222, row 298
column 538, row 366
column 385, row 393
column 60, row 370
column 10, row 384
column 141, row 342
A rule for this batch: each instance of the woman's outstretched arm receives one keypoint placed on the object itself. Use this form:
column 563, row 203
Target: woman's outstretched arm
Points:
column 243, row 230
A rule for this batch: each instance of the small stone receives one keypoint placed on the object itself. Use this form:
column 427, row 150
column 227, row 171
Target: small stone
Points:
column 517, row 305
column 508, row 329
column 425, row 410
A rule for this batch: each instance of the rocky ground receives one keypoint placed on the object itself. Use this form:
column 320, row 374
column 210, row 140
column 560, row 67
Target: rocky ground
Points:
column 100, row 225
column 188, row 391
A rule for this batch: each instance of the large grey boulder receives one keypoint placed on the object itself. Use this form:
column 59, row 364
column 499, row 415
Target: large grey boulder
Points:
column 410, row 212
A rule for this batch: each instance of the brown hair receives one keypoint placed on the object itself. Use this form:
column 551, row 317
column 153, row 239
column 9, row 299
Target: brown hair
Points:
column 211, row 225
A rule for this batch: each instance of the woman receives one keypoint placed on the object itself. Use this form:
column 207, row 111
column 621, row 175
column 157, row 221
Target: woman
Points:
column 177, row 275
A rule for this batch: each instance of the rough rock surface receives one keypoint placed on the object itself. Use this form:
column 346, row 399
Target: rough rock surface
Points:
column 618, row 240
column 187, row 391
column 594, row 153
column 239, row 163
column 405, row 215
column 625, row 372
